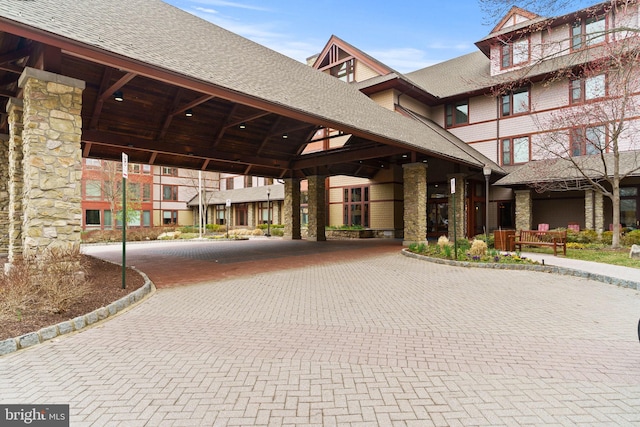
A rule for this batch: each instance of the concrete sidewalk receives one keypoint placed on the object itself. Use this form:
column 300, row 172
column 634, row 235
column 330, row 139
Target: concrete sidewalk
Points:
column 606, row 270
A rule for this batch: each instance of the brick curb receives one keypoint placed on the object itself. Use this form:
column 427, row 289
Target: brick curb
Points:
column 11, row 345
column 531, row 267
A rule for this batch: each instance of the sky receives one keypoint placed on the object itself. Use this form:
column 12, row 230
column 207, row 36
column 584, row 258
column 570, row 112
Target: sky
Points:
column 406, row 35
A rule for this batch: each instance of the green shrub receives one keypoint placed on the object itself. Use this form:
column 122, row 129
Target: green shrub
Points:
column 607, row 237
column 463, row 245
column 631, row 238
column 490, row 241
column 583, row 236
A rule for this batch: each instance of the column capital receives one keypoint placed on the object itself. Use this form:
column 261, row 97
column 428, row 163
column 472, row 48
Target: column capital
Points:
column 14, row 103
column 47, row 76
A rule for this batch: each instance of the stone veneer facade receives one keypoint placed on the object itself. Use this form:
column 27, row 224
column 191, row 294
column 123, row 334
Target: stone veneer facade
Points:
column 15, row 175
column 52, row 163
column 291, row 209
column 415, row 202
column 317, row 209
column 460, row 199
column 523, row 209
column 4, row 194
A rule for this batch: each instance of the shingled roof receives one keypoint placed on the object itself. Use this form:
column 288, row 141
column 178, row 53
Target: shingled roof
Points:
column 161, row 36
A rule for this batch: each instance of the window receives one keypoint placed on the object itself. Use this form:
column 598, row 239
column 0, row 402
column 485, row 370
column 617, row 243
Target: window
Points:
column 356, row 206
column 169, row 217
column 133, row 188
column 304, row 208
column 242, row 214
column 146, row 169
column 588, row 140
column 92, row 217
column 169, row 171
column 515, row 150
column 93, row 163
column 588, row 88
column 146, row 192
column 93, row 189
column 229, row 183
column 169, row 192
column 588, row 32
column 146, row 218
column 515, row 53
column 344, row 71
column 457, row 114
column 516, row 102
column 629, row 203
column 265, row 212
column 220, row 214
column 248, row 181
column 108, row 219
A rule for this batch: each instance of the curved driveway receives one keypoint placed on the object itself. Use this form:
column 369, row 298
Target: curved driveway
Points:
column 370, row 338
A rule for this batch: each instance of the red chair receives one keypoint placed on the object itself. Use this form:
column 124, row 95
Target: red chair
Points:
column 543, row 227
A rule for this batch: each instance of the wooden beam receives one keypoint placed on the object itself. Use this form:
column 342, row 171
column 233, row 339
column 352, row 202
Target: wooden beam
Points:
column 117, row 85
column 342, row 155
column 15, row 55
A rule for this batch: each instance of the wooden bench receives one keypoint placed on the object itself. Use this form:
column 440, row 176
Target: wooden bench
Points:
column 554, row 239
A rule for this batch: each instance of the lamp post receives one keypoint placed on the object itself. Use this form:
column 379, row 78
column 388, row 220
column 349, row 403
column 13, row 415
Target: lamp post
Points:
column 268, row 212
column 486, row 170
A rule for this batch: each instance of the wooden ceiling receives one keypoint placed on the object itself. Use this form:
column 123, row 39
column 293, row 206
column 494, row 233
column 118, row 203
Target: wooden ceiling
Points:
column 227, row 132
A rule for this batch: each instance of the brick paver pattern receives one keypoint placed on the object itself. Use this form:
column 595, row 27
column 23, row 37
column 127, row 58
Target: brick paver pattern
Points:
column 379, row 341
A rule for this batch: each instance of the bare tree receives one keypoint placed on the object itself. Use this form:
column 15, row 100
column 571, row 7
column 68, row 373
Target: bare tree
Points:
column 592, row 143
column 111, row 182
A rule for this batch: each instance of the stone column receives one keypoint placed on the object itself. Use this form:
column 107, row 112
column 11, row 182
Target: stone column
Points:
column 317, row 209
column 52, row 160
column 589, row 210
column 599, row 212
column 251, row 215
column 15, row 179
column 460, row 208
column 524, row 211
column 415, row 203
column 275, row 216
column 291, row 209
column 4, row 194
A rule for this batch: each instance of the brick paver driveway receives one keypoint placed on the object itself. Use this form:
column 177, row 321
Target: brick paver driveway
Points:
column 361, row 341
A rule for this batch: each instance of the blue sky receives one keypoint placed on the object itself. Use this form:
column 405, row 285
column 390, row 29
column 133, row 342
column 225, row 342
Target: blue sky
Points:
column 406, row 35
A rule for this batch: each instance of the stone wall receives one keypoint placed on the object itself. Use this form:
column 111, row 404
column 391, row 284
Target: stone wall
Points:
column 460, row 208
column 52, row 160
column 291, row 209
column 4, row 194
column 415, row 202
column 317, row 209
column 523, row 209
column 15, row 172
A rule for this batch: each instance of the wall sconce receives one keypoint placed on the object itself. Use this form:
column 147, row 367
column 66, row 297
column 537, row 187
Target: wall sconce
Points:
column 118, row 96
column 189, row 113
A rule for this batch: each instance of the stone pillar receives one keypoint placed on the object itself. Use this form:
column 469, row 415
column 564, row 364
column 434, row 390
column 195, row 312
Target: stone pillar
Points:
column 275, row 216
column 291, row 209
column 415, row 203
column 52, row 160
column 599, row 212
column 524, row 210
column 589, row 210
column 317, row 209
column 15, row 179
column 4, row 194
column 251, row 215
column 460, row 208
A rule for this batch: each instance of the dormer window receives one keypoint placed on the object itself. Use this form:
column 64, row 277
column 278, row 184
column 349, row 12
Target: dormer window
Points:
column 515, row 53
column 588, row 32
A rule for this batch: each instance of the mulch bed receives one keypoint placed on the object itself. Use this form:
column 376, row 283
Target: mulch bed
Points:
column 104, row 287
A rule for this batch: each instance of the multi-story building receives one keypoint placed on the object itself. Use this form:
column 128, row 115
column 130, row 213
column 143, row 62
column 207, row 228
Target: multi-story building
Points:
column 527, row 100
column 156, row 195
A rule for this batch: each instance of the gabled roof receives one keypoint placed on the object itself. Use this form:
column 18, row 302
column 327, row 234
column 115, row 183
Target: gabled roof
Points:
column 242, row 195
column 162, row 43
column 325, row 60
column 560, row 169
column 514, row 17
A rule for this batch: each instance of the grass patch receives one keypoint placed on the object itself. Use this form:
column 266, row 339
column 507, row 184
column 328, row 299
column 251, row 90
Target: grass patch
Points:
column 596, row 254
